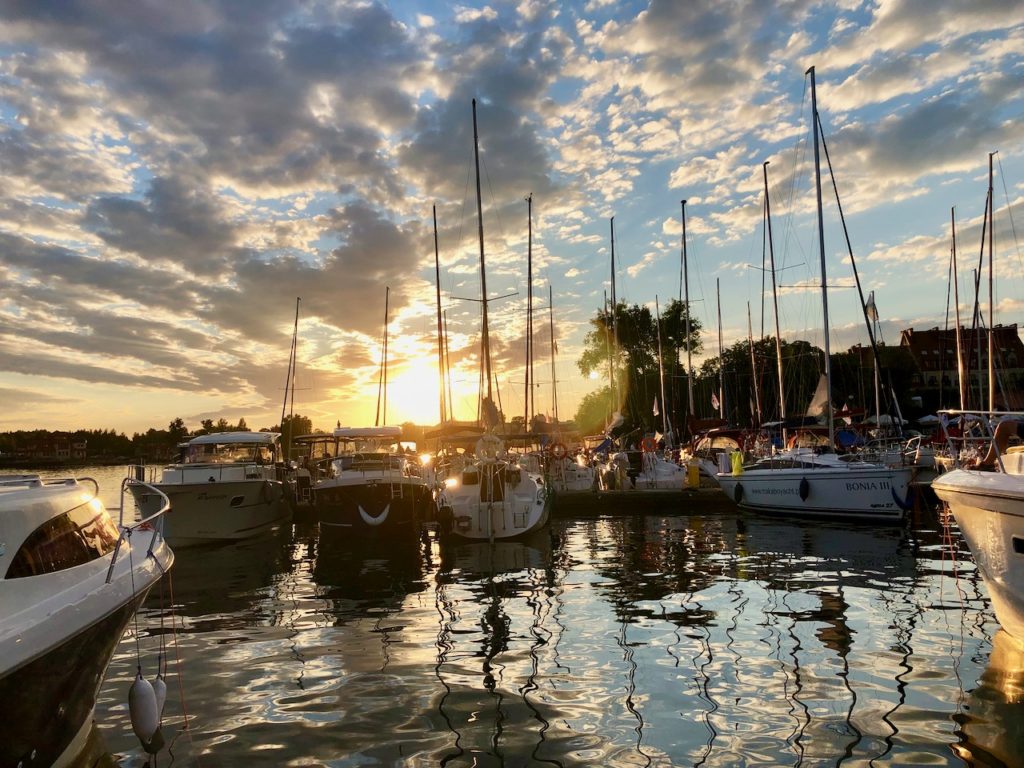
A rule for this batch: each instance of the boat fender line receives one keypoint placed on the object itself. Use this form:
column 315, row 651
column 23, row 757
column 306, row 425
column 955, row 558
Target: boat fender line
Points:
column 905, row 505
column 142, row 708
column 805, row 489
column 370, row 520
column 488, row 448
column 737, row 493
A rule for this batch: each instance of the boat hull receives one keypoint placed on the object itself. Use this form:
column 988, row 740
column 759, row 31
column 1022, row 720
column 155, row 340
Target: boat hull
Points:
column 372, row 510
column 50, row 700
column 856, row 493
column 989, row 508
column 494, row 502
column 217, row 511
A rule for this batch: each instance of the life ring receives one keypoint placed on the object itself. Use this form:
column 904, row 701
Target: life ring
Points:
column 649, row 445
column 488, row 448
column 559, row 451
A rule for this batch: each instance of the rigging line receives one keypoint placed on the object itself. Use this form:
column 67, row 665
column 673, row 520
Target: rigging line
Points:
column 856, row 275
column 1009, row 208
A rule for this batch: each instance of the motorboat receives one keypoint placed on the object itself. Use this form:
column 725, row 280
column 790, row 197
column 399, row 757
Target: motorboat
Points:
column 987, row 500
column 486, row 496
column 226, row 486
column 806, row 483
column 374, row 487
column 71, row 579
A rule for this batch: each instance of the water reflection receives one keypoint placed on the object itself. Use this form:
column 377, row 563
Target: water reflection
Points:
column 993, row 729
column 645, row 640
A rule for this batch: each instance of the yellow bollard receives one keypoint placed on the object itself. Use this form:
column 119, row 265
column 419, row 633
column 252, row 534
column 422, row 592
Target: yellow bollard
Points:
column 692, row 476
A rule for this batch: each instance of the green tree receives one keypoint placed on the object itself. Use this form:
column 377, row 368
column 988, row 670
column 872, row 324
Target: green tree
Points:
column 177, row 430
column 631, row 349
column 292, row 427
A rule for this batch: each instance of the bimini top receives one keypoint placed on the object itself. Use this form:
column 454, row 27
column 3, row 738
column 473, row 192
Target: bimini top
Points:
column 225, row 438
column 353, row 433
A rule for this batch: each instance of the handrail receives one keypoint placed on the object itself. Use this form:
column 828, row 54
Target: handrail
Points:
column 128, row 530
column 989, row 422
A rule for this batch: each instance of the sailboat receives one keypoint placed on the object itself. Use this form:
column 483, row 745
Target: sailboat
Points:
column 802, row 481
column 485, row 496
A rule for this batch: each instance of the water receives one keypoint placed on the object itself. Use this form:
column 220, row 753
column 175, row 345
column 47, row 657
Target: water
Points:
column 691, row 639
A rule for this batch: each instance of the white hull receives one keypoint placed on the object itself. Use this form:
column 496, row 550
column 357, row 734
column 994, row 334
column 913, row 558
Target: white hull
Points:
column 218, row 511
column 519, row 504
column 843, row 493
column 989, row 508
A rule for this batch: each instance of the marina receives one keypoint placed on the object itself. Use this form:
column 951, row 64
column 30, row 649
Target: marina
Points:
column 650, row 480
column 702, row 635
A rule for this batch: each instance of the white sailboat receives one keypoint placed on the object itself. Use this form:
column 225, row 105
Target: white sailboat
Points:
column 485, row 496
column 804, row 482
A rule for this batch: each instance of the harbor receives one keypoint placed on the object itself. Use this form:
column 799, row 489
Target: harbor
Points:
column 545, row 384
column 697, row 636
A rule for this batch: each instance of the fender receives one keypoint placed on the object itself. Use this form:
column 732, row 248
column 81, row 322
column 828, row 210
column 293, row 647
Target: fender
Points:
column 374, row 521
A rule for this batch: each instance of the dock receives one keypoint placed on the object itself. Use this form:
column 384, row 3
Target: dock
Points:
column 597, row 503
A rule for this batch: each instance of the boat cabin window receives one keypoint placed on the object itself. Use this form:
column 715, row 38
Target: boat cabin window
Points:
column 76, row 537
column 230, row 453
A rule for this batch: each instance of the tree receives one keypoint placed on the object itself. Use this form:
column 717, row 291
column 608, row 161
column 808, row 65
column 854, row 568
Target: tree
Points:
column 631, row 349
column 292, row 427
column 177, row 430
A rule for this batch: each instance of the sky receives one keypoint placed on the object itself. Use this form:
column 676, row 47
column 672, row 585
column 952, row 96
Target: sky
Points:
column 174, row 175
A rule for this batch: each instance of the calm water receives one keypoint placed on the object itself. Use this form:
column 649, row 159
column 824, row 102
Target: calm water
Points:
column 635, row 640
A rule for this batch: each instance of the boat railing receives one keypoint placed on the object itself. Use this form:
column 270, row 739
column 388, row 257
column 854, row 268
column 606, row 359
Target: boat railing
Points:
column 979, row 438
column 153, row 522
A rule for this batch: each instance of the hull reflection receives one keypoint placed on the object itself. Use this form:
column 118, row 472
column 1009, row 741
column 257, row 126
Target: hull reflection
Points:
column 994, row 724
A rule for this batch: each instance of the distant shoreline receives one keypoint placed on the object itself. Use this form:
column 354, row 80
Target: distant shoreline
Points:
column 29, row 464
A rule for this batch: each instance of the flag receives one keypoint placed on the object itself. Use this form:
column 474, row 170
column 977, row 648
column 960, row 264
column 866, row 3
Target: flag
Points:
column 871, row 309
column 656, row 411
column 714, row 401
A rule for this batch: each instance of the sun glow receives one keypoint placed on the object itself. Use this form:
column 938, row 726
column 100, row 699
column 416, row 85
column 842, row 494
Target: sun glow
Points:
column 413, row 393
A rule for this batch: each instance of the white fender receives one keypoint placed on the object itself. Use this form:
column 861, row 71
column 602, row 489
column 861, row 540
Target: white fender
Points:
column 160, row 690
column 379, row 519
column 143, row 709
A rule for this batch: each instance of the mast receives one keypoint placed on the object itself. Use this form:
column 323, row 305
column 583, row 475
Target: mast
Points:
column 289, row 381
column 614, row 306
column 960, row 377
column 554, row 349
column 991, row 296
column 528, row 404
column 775, row 303
column 448, row 368
column 686, row 305
column 721, row 360
column 382, row 381
column 753, row 368
column 440, row 332
column 485, row 339
column 661, row 379
column 821, row 245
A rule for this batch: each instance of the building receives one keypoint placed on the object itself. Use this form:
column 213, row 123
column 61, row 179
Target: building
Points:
column 934, row 354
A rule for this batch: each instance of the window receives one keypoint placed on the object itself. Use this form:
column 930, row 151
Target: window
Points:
column 76, row 537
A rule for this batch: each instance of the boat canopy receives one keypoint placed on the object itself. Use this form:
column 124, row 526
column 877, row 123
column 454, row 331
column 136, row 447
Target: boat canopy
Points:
column 225, row 438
